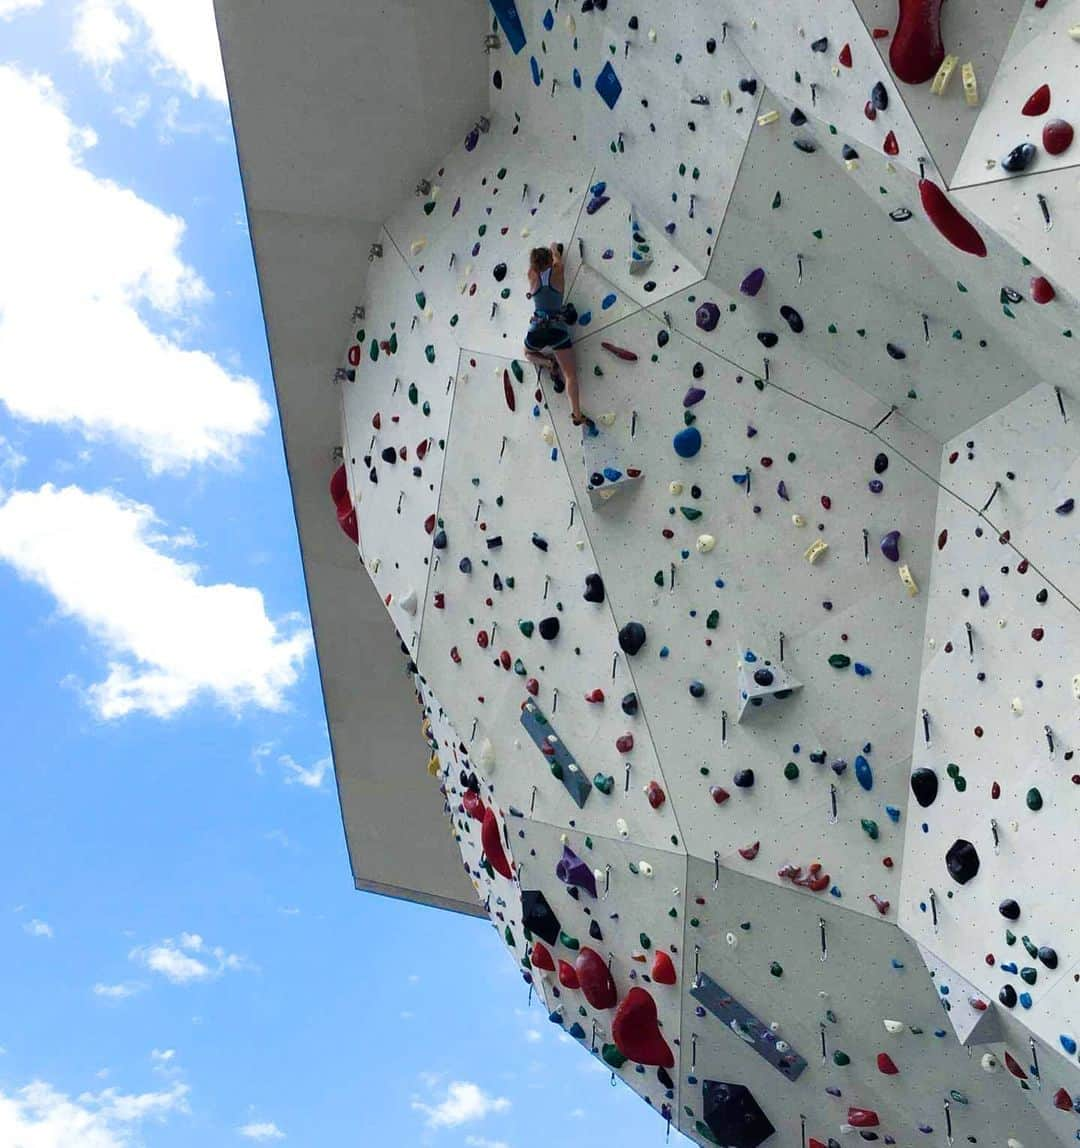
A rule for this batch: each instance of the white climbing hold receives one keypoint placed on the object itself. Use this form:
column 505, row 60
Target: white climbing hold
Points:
column 580, row 544
column 782, row 1046
column 645, row 868
column 486, row 757
column 428, row 312
column 418, row 245
column 1076, row 686
column 571, row 24
column 732, row 940
column 675, row 487
column 526, row 232
column 606, row 419
column 1002, row 623
column 598, row 875
column 815, row 550
column 798, row 520
column 1014, row 1143
column 548, row 434
column 725, row 97
column 408, row 601
column 908, row 579
column 705, row 543
column 774, row 1026
column 652, row 35
column 990, row 1062
column 893, row 1026
column 1017, row 706
column 621, row 827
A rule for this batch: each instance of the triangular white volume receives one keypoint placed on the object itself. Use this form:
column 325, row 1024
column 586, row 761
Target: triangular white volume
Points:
column 761, row 682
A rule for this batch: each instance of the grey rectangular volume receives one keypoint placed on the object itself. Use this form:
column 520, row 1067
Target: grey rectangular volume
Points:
column 746, row 1026
column 540, row 730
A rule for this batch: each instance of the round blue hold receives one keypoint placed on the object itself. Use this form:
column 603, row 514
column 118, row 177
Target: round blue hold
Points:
column 687, row 442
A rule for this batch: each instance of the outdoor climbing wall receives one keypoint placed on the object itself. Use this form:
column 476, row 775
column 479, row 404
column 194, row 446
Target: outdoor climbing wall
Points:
column 753, row 699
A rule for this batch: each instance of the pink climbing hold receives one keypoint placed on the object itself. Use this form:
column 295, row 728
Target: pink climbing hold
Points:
column 620, row 352
column 1042, row 290
column 635, row 1031
column 594, row 979
column 945, row 217
column 663, row 970
column 492, row 843
column 886, row 1065
column 1038, row 103
column 540, row 958
column 1057, row 135
column 879, row 903
column 916, row 50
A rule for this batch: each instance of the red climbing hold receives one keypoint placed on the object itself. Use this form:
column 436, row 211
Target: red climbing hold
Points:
column 916, row 50
column 568, row 978
column 492, row 843
column 891, row 146
column 455, row 655
column 421, row 450
column 942, row 538
column 863, row 1117
column 869, row 110
column 1038, row 103
column 482, row 639
column 880, row 904
column 1062, row 1100
column 348, row 523
column 429, row 524
column 620, row 352
column 636, row 1032
column 540, row 958
column 473, row 806
column 504, row 659
column 595, row 696
column 814, row 1142
column 1013, row 1067
column 826, row 502
column 1042, row 290
column 1056, row 136
column 508, row 391
column 532, row 686
column 1038, row 633
column 655, row 795
column 944, row 216
column 845, row 56
column 339, row 486
column 376, row 420
column 995, row 791
column 624, row 743
column 440, row 600
column 594, row 977
column 886, row 1065
column 719, row 794
column 750, row 851
column 663, row 971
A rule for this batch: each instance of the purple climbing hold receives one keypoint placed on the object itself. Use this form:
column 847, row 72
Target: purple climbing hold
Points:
column 751, row 284
column 571, row 870
column 781, row 489
column 707, row 316
column 876, row 485
column 984, row 596
column 890, row 546
column 693, row 396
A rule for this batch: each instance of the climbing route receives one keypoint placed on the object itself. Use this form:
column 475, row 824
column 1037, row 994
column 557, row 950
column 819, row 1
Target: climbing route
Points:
column 753, row 700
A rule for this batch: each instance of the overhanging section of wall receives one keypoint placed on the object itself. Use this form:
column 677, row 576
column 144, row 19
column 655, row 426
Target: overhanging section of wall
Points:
column 339, row 108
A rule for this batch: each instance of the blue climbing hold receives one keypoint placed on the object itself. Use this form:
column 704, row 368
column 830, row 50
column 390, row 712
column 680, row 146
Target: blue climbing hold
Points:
column 548, row 21
column 577, row 78
column 687, row 442
column 510, row 22
column 608, row 301
column 1009, row 967
column 1025, row 1000
column 584, row 319
column 863, row 773
column 535, row 70
column 611, row 474
column 893, row 813
column 862, row 670
column 608, row 86
column 1068, row 1043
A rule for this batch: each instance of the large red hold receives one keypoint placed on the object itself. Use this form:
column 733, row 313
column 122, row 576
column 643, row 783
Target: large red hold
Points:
column 492, row 843
column 886, row 1065
column 944, row 216
column 540, row 958
column 916, row 50
column 568, row 977
column 1038, row 103
column 1042, row 290
column 636, row 1031
column 1057, row 135
column 663, row 971
column 862, row 1118
column 595, row 980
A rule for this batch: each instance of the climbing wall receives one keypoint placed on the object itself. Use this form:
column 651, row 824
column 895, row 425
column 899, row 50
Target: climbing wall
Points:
column 754, row 699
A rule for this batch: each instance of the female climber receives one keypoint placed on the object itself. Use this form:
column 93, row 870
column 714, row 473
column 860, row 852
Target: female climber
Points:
column 548, row 342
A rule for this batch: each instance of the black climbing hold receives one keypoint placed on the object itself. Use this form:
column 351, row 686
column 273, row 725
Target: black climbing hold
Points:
column 594, row 588
column 1048, row 956
column 805, row 145
column 465, row 565
column 748, row 86
column 710, row 45
column 744, row 778
column 1042, row 596
column 900, row 214
column 594, row 931
column 794, row 319
column 499, row 271
column 763, row 677
column 494, row 542
column 697, row 689
column 632, row 23
column 895, row 352
column 662, row 337
column 631, row 638
column 539, row 543
column 848, row 152
column 537, row 917
column 797, row 117
column 388, row 454
column 768, row 338
column 879, row 97
column 1019, row 159
column 881, row 463
column 664, row 1077
column 1009, row 909
column 630, row 705
column 821, row 45
column 924, row 785
column 698, row 370
column 962, row 861
column 496, row 79
column 1007, row 996
column 733, row 1116
column 439, row 541
column 548, row 627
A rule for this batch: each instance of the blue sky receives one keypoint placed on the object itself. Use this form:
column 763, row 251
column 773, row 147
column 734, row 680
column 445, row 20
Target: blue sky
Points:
column 183, row 958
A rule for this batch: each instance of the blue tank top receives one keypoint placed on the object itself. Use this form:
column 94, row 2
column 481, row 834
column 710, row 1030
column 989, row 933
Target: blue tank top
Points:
column 546, row 299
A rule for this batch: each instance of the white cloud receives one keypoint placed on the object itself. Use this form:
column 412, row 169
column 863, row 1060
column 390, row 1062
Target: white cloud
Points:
column 121, row 264
column 118, row 992
column 463, row 1103
column 38, row 1116
column 173, row 959
column 178, row 39
column 483, row 1142
column 264, row 1130
column 310, row 778
column 170, row 638
column 533, row 1035
column 162, row 1055
column 9, row 9
column 38, row 928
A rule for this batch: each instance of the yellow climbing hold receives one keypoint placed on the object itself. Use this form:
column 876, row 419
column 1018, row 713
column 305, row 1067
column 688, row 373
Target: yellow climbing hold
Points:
column 971, row 86
column 908, row 579
column 433, row 765
column 705, row 543
column 675, row 487
column 548, row 434
column 767, row 118
column 815, row 550
column 944, row 75
column 418, row 245
column 606, row 419
column 725, row 97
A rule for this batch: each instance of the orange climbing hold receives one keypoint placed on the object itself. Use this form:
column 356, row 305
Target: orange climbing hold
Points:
column 663, row 971
column 635, row 1030
column 492, row 843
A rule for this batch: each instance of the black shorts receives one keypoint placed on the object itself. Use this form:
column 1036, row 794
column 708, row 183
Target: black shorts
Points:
column 548, row 337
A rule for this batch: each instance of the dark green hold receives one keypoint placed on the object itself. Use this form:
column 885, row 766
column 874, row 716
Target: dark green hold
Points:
column 839, row 661
column 605, row 783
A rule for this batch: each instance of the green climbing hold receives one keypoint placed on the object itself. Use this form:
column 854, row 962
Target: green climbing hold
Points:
column 953, row 770
column 818, row 233
column 605, row 783
column 839, row 661
column 690, row 513
column 414, row 394
column 556, row 770
column 960, row 784
column 870, row 828
column 791, row 771
column 960, row 287
column 713, row 620
column 429, row 352
column 1032, row 948
column 426, row 408
column 705, row 1132
column 429, row 207
column 832, row 328
column 658, row 578
column 568, row 941
column 841, row 1058
column 643, row 940
column 1034, row 800
column 510, row 938
column 421, row 300
column 392, row 343
column 373, row 350
column 791, row 456
column 1010, row 937
column 588, row 843
column 776, row 201
column 1029, row 975
column 515, row 368
column 776, row 969
column 611, row 1055
column 526, row 627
